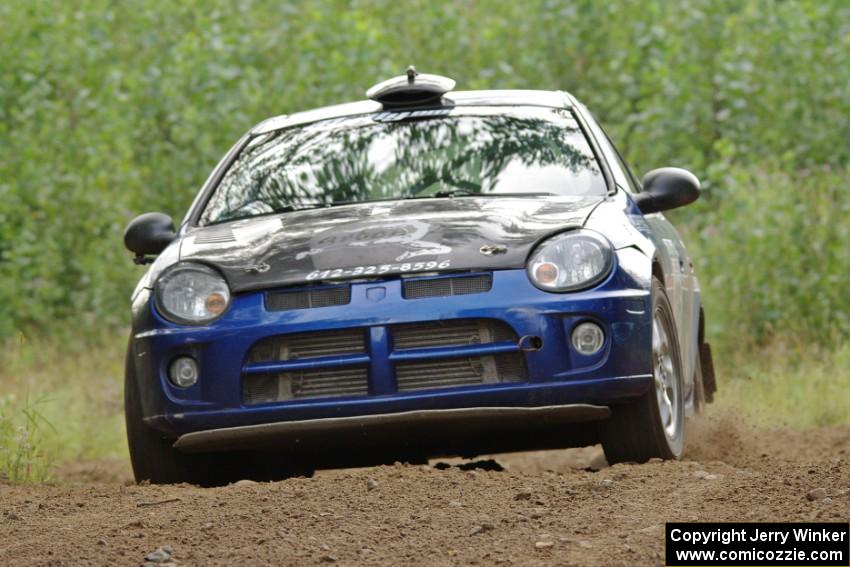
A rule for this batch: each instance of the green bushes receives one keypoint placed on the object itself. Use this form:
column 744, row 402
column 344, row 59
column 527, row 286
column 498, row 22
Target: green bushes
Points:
column 110, row 109
column 772, row 253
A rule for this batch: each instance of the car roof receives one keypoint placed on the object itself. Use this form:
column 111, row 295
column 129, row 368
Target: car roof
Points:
column 554, row 99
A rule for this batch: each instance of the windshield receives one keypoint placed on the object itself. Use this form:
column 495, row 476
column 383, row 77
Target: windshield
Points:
column 489, row 151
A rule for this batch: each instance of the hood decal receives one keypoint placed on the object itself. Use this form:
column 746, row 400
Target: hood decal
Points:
column 409, row 236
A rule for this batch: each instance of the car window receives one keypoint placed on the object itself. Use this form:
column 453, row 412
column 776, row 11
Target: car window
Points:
column 396, row 155
column 622, row 174
column 632, row 181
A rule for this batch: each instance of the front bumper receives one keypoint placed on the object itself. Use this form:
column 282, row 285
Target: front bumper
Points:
column 556, row 374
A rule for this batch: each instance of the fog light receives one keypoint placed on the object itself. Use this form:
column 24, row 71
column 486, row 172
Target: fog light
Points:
column 588, row 338
column 183, row 372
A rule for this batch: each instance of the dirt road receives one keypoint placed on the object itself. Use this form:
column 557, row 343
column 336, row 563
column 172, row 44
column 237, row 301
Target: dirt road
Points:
column 542, row 509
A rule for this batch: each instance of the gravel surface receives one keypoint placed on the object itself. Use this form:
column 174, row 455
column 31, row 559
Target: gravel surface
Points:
column 544, row 508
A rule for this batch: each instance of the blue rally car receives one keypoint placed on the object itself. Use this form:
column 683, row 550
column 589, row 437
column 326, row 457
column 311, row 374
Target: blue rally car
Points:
column 421, row 274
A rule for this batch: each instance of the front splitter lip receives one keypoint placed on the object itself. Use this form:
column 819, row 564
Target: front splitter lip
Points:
column 365, row 429
column 599, row 391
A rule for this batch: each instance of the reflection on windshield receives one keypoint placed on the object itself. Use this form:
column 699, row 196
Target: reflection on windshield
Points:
column 526, row 150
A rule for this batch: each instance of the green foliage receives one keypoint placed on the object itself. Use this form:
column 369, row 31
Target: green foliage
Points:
column 773, row 257
column 109, row 109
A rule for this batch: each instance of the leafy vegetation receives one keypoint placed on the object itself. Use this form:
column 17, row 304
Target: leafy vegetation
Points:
column 774, row 260
column 109, row 109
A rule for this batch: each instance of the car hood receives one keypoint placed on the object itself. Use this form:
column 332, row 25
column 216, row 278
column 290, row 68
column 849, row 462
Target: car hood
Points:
column 382, row 238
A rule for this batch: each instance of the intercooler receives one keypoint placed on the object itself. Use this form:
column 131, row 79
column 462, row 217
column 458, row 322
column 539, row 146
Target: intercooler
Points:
column 434, row 366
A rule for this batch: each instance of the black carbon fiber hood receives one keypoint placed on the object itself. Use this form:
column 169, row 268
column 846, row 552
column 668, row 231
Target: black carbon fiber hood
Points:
column 382, row 238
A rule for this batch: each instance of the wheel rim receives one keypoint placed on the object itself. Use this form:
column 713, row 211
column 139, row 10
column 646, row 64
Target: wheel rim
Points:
column 666, row 379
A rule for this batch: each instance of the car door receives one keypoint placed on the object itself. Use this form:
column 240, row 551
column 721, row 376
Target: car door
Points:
column 680, row 279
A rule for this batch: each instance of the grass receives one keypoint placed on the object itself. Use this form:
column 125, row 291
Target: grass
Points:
column 63, row 398
column 787, row 385
column 62, row 402
column 22, row 432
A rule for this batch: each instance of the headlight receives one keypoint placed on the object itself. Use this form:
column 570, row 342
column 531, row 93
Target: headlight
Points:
column 570, row 261
column 191, row 293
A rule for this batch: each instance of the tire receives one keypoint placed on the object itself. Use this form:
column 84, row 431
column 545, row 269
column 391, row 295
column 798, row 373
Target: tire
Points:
column 153, row 458
column 636, row 431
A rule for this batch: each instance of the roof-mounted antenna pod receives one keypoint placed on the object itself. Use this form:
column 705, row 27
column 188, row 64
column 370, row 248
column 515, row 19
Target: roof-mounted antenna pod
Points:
column 411, row 89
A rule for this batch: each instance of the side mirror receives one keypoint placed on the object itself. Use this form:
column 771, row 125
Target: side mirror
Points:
column 148, row 235
column 667, row 188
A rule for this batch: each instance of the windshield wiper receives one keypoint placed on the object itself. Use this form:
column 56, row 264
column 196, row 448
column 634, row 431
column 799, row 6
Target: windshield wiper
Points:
column 311, row 206
column 453, row 193
column 282, row 210
column 464, row 193
column 291, row 209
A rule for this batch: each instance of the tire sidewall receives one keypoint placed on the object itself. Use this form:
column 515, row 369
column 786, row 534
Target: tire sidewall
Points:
column 136, row 438
column 152, row 457
column 674, row 446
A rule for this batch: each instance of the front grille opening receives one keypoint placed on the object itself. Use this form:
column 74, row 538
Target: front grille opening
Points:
column 464, row 371
column 309, row 345
column 456, row 332
column 308, row 298
column 320, row 383
column 445, row 286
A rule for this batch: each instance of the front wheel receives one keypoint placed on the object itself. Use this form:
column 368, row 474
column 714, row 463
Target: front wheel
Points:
column 652, row 426
column 155, row 460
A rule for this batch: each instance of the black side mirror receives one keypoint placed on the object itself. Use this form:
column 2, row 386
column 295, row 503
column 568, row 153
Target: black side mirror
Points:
column 148, row 235
column 667, row 188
